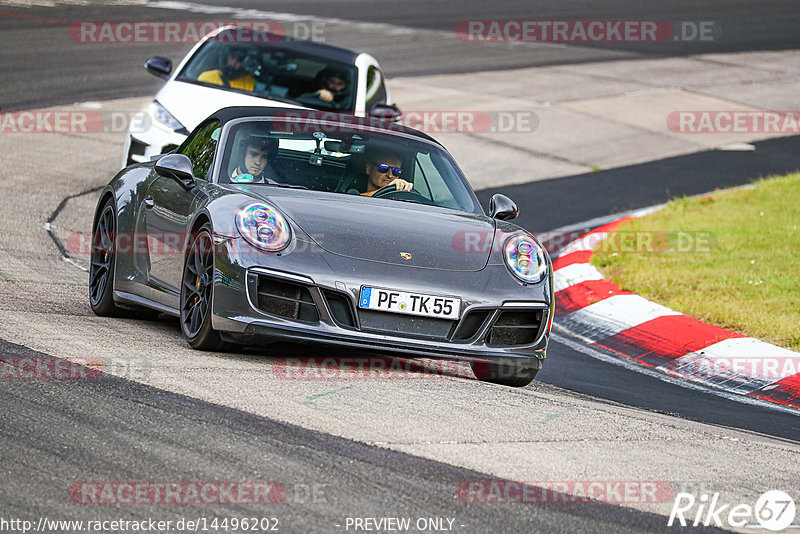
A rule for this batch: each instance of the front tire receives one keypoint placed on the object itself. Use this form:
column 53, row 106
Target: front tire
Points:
column 505, row 374
column 103, row 264
column 197, row 289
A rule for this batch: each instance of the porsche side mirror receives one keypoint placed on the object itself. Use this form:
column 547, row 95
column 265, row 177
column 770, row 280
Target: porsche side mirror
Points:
column 502, row 208
column 387, row 112
column 176, row 166
column 160, row 67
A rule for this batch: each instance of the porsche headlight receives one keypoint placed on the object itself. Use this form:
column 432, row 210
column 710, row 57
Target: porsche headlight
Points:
column 263, row 227
column 525, row 258
column 165, row 118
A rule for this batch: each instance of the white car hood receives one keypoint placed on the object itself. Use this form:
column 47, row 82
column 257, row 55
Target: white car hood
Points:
column 191, row 104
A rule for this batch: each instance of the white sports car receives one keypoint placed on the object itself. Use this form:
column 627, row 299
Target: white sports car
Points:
column 241, row 67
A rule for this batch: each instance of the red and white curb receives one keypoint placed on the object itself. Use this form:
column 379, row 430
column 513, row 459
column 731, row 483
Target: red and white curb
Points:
column 654, row 336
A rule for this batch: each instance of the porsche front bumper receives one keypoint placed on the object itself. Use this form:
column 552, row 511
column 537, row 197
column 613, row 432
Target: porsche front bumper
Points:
column 509, row 322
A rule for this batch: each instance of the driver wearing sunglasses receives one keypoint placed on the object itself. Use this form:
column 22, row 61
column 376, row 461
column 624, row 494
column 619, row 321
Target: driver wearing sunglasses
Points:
column 384, row 170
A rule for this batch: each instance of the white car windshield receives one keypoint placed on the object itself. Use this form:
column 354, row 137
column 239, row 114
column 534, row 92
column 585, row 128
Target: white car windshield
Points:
column 269, row 71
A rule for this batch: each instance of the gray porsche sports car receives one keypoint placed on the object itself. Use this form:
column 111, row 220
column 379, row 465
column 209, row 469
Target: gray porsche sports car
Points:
column 270, row 224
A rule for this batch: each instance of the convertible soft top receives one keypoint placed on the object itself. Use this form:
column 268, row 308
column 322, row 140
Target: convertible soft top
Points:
column 239, row 112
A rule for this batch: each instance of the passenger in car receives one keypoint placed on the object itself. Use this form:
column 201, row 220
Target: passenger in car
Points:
column 256, row 155
column 231, row 74
column 383, row 170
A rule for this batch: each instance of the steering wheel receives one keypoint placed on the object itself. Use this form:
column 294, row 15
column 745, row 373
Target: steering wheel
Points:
column 315, row 101
column 390, row 191
column 385, row 190
column 310, row 99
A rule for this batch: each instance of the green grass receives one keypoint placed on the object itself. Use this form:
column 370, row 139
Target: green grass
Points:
column 736, row 263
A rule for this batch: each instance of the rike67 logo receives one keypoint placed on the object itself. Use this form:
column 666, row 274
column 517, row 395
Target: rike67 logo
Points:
column 774, row 511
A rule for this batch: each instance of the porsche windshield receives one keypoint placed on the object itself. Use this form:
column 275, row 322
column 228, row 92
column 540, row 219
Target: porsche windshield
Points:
column 343, row 159
column 268, row 71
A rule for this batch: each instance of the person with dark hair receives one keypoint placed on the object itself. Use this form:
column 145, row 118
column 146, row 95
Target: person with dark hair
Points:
column 383, row 169
column 333, row 88
column 256, row 154
column 231, row 74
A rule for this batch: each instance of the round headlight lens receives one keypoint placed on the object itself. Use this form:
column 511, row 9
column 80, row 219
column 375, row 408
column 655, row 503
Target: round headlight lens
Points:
column 525, row 258
column 263, row 227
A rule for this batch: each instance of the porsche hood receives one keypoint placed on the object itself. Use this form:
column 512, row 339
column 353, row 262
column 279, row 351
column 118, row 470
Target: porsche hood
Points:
column 394, row 232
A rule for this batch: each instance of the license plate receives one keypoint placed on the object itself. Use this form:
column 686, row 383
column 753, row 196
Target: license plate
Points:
column 389, row 300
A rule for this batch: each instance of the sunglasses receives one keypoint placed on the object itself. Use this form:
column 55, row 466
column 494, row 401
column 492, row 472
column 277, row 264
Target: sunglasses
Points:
column 383, row 169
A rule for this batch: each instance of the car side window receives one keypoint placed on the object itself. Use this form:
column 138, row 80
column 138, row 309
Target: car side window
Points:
column 200, row 148
column 376, row 91
column 431, row 184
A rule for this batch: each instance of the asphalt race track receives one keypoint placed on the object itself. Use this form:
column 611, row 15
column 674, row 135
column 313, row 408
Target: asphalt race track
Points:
column 375, row 483
column 345, row 449
column 35, row 73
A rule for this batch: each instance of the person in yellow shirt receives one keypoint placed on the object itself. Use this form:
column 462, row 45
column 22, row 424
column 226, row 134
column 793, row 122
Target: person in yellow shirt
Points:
column 231, row 74
column 383, row 171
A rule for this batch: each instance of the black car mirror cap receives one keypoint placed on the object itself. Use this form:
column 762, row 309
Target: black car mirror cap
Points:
column 158, row 66
column 387, row 112
column 502, row 208
column 176, row 166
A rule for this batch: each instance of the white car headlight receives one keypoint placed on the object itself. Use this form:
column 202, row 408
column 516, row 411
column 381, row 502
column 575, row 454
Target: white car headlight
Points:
column 165, row 118
column 263, row 227
column 525, row 258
